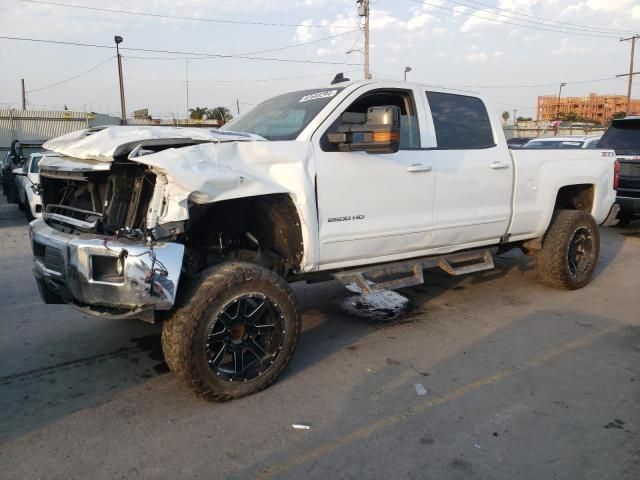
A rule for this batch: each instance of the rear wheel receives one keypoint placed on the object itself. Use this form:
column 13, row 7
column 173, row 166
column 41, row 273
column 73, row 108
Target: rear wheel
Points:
column 236, row 333
column 570, row 251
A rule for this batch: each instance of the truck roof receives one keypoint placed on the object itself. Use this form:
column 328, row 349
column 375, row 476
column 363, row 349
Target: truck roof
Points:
column 403, row 84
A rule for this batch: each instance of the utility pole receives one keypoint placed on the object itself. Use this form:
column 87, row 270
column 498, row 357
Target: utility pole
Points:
column 515, row 112
column 187, row 68
column 558, row 109
column 631, row 72
column 24, row 95
column 363, row 11
column 123, row 112
column 238, row 106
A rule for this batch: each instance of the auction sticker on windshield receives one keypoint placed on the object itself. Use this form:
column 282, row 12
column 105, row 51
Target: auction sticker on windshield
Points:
column 317, row 95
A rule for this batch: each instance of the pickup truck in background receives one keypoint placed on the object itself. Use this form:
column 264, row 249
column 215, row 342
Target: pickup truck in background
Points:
column 623, row 136
column 369, row 182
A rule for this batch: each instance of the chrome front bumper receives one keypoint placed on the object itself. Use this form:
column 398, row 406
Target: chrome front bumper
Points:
column 81, row 269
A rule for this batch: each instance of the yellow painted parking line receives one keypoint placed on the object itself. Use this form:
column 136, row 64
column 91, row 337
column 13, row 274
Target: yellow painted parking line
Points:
column 364, row 432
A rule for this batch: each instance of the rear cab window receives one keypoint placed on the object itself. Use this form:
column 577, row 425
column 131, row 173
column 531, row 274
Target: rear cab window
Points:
column 623, row 137
column 461, row 122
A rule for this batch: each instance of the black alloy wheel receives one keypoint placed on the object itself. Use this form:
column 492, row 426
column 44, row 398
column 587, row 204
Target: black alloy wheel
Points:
column 580, row 252
column 245, row 338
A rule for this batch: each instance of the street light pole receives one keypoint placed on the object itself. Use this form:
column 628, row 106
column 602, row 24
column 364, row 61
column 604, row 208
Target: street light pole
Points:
column 406, row 70
column 558, row 108
column 123, row 112
column 363, row 11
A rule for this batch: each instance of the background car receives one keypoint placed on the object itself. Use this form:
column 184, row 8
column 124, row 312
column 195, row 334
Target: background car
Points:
column 18, row 153
column 28, row 185
column 623, row 136
column 590, row 141
column 517, row 142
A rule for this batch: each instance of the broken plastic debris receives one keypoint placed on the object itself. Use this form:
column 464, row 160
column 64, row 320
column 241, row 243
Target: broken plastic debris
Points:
column 299, row 426
column 420, row 389
column 384, row 305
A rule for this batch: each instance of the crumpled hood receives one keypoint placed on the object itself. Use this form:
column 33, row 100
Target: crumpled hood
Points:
column 104, row 144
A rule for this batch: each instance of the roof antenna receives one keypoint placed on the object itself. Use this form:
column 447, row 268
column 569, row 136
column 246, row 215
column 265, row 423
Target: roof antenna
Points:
column 339, row 78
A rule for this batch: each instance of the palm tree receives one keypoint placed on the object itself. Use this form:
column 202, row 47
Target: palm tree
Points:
column 505, row 116
column 198, row 113
column 220, row 113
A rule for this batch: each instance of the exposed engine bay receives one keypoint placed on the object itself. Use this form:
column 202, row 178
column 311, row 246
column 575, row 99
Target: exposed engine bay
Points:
column 124, row 202
column 102, row 202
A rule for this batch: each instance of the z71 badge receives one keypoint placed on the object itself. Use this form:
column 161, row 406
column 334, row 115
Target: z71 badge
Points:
column 346, row 219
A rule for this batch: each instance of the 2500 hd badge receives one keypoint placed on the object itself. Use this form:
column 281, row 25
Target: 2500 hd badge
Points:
column 345, row 219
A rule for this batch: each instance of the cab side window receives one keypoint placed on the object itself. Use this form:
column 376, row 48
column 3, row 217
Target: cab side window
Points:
column 409, row 129
column 460, row 121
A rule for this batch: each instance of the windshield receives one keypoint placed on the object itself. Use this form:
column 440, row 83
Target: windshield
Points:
column 550, row 144
column 623, row 137
column 27, row 150
column 35, row 164
column 285, row 116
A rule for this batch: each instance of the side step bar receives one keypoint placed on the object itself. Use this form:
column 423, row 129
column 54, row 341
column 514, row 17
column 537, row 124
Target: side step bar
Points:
column 392, row 276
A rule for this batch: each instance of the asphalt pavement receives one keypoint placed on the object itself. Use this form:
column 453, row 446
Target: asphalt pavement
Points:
column 490, row 376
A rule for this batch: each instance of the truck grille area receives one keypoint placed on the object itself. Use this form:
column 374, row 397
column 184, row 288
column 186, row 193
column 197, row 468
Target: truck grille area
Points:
column 99, row 202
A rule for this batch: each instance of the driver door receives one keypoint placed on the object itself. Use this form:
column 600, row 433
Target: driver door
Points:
column 374, row 206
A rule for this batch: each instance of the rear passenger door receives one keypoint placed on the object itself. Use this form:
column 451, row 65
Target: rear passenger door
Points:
column 473, row 173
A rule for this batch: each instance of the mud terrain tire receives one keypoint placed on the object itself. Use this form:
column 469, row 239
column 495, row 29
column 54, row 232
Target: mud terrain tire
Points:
column 188, row 334
column 570, row 251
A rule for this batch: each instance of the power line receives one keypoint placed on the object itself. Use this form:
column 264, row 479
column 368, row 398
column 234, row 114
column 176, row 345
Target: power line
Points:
column 176, row 17
column 111, row 88
column 177, row 52
column 546, row 21
column 277, row 49
column 524, row 25
column 71, row 78
column 555, row 84
column 251, row 80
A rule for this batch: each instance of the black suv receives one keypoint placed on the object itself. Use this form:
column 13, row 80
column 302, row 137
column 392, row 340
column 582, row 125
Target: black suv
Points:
column 623, row 136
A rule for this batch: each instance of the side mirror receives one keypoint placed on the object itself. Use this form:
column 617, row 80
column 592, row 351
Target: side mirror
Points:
column 376, row 132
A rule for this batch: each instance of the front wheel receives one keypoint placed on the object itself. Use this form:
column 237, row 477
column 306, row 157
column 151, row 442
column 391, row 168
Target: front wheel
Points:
column 570, row 251
column 235, row 334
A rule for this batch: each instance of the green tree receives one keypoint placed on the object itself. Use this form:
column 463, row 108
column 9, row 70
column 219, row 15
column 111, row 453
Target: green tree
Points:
column 220, row 113
column 198, row 113
column 505, row 116
column 615, row 116
column 524, row 119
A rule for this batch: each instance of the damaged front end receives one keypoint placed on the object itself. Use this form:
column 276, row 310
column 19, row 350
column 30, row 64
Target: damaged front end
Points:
column 128, row 210
column 99, row 246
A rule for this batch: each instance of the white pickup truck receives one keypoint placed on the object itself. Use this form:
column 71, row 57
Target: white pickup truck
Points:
column 368, row 182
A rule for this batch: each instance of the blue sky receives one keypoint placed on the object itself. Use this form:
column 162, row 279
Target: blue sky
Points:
column 447, row 42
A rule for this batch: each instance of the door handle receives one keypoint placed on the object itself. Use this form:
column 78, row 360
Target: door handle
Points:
column 418, row 167
column 499, row 165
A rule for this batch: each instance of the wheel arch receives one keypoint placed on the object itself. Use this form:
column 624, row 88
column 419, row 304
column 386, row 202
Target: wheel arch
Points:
column 270, row 221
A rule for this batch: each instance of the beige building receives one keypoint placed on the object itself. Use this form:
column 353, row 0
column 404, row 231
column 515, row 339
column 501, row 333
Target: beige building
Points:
column 594, row 107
